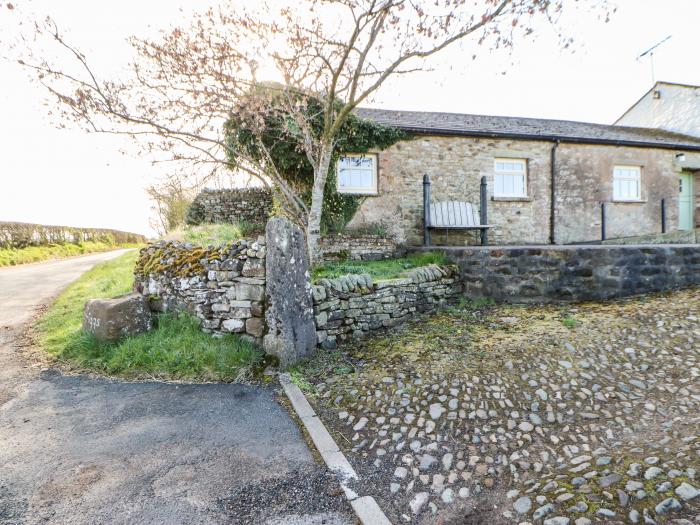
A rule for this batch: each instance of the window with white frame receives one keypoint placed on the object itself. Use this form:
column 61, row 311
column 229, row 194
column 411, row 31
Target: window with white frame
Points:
column 357, row 173
column 627, row 183
column 510, row 178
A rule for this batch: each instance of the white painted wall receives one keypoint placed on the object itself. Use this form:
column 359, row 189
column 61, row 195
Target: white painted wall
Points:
column 677, row 108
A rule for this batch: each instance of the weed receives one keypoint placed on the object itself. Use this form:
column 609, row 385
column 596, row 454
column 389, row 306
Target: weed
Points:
column 175, row 349
column 216, row 234
column 386, row 269
column 569, row 321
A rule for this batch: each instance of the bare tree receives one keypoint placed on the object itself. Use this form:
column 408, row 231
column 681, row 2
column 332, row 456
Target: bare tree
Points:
column 184, row 85
column 170, row 198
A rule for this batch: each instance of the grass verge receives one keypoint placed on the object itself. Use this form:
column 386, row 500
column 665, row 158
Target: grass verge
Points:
column 30, row 254
column 386, row 269
column 176, row 349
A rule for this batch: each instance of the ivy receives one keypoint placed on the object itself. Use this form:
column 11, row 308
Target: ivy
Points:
column 283, row 140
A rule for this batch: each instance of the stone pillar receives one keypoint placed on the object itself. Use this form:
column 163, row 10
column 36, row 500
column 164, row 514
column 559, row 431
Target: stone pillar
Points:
column 290, row 314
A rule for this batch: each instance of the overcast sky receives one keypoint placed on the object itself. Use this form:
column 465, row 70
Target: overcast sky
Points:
column 56, row 176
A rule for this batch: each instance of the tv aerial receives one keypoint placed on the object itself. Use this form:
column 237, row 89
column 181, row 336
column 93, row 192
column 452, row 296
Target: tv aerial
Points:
column 650, row 53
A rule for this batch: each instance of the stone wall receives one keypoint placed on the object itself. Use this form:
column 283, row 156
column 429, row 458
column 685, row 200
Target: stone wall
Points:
column 574, row 273
column 224, row 287
column 455, row 166
column 677, row 237
column 340, row 247
column 583, row 179
column 251, row 205
column 354, row 305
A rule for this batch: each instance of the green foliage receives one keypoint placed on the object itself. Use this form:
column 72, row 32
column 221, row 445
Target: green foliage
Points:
column 64, row 318
column 377, row 229
column 175, row 349
column 30, row 254
column 386, row 269
column 171, row 204
column 208, row 234
column 195, row 213
column 569, row 322
column 321, row 364
column 468, row 308
column 21, row 235
column 283, row 139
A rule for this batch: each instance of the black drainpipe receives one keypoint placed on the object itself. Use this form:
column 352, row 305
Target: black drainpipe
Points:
column 552, row 185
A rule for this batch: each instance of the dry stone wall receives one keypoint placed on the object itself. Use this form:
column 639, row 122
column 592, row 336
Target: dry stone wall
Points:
column 222, row 286
column 354, row 305
column 340, row 247
column 251, row 205
column 555, row 274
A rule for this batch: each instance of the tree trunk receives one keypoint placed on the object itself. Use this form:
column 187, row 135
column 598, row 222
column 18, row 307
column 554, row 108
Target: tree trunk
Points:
column 313, row 223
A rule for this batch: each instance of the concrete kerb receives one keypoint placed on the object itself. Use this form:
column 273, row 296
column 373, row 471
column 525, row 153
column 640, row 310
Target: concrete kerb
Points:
column 365, row 507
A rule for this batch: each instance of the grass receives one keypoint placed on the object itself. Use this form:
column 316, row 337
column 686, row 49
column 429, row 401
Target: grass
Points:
column 386, row 269
column 30, row 254
column 207, row 234
column 321, row 364
column 175, row 349
column 569, row 322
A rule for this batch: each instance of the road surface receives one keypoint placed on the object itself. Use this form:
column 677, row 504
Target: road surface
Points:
column 79, row 449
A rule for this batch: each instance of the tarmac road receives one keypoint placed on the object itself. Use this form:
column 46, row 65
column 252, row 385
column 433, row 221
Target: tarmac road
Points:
column 79, row 449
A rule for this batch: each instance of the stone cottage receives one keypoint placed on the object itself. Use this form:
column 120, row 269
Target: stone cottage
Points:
column 673, row 107
column 546, row 179
column 667, row 105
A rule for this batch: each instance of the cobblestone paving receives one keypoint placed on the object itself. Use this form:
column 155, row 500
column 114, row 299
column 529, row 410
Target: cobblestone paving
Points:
column 566, row 415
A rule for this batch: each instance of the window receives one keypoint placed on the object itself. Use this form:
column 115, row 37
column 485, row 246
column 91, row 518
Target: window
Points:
column 627, row 184
column 510, row 178
column 357, row 174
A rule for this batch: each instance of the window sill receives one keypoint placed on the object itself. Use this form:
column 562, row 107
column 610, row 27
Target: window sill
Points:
column 641, row 201
column 511, row 199
column 360, row 193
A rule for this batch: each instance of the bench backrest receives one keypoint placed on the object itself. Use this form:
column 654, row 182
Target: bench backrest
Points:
column 453, row 214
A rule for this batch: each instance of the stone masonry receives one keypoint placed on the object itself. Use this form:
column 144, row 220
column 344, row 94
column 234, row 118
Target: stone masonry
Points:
column 583, row 180
column 354, row 305
column 289, row 313
column 340, row 247
column 250, row 205
column 224, row 287
column 574, row 273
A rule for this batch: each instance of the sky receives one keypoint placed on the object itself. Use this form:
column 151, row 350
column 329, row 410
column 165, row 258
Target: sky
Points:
column 65, row 176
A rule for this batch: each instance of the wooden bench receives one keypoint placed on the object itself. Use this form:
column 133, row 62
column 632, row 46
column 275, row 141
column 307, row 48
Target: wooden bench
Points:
column 454, row 215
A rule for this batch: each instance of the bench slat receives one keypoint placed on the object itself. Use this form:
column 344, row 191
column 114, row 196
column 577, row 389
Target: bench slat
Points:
column 454, row 214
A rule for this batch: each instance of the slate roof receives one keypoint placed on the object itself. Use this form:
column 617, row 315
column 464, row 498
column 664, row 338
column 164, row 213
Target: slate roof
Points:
column 431, row 123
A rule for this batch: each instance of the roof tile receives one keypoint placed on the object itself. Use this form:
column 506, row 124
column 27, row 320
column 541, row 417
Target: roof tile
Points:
column 527, row 128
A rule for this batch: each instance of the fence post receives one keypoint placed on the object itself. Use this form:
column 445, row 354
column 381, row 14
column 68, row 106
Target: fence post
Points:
column 602, row 221
column 483, row 212
column 426, row 210
column 663, row 215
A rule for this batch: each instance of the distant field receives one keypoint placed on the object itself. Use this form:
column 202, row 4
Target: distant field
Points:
column 30, row 254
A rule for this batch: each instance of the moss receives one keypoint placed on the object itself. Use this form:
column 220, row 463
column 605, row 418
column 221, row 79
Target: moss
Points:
column 175, row 260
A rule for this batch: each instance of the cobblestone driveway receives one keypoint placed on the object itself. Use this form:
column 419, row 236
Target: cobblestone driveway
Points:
column 554, row 415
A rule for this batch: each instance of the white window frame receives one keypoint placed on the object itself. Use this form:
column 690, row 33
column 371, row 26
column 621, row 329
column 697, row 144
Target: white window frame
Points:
column 510, row 173
column 620, row 176
column 373, row 190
